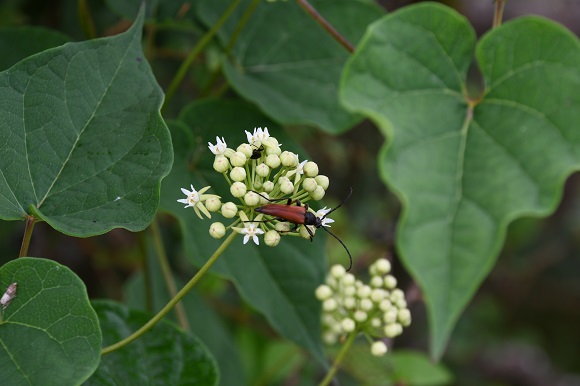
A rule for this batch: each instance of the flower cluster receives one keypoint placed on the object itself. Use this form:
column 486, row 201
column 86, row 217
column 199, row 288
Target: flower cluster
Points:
column 378, row 310
column 258, row 173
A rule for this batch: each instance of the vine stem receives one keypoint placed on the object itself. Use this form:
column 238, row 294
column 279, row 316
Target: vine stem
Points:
column 498, row 12
column 166, row 271
column 30, row 221
column 182, row 71
column 331, row 373
column 174, row 301
column 325, row 24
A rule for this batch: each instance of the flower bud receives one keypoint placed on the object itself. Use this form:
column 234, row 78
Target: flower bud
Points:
column 390, row 282
column 376, row 322
column 364, row 292
column 348, row 279
column 289, row 159
column 229, row 210
column 378, row 348
column 337, row 271
column 246, row 149
column 366, row 304
column 238, row 174
column 309, row 184
column 318, row 193
column 221, row 164
column 397, row 294
column 263, row 198
column 390, row 316
column 349, row 290
column 262, row 170
column 348, row 325
column 349, row 302
column 322, row 180
column 268, row 186
column 323, row 292
column 378, row 294
column 310, row 169
column 329, row 338
column 377, row 282
column 272, row 160
column 392, row 330
column 286, row 187
column 273, row 150
column 271, row 238
column 282, row 227
column 217, row 230
column 251, row 198
column 386, row 305
column 213, row 204
column 329, row 305
column 304, row 232
column 360, row 316
column 238, row 189
column 238, row 159
column 383, row 266
column 404, row 317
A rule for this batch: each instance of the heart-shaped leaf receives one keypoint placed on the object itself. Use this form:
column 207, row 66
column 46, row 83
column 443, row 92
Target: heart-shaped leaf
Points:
column 279, row 282
column 165, row 355
column 464, row 169
column 286, row 63
column 82, row 143
column 49, row 333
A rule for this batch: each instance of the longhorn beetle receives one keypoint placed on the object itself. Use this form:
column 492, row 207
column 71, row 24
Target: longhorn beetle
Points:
column 299, row 215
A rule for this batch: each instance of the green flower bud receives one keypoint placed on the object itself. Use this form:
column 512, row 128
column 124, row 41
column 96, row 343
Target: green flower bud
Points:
column 262, row 170
column 251, row 198
column 323, row 292
column 318, row 193
column 213, row 204
column 246, row 149
column 404, row 317
column 273, row 150
column 390, row 282
column 273, row 161
column 238, row 174
column 268, row 186
column 217, row 230
column 378, row 348
column 289, row 159
column 271, row 238
column 221, row 164
column 282, row 227
column 238, row 159
column 229, row 210
column 310, row 169
column 337, row 271
column 382, row 266
column 286, row 187
column 360, row 316
column 329, row 305
column 348, row 325
column 238, row 189
column 309, row 184
column 263, row 196
column 304, row 233
column 322, row 181
column 393, row 330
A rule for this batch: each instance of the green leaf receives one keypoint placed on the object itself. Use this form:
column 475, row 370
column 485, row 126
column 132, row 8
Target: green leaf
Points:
column 286, row 63
column 49, row 334
column 16, row 43
column 165, row 355
column 279, row 282
column 83, row 144
column 204, row 322
column 401, row 367
column 465, row 169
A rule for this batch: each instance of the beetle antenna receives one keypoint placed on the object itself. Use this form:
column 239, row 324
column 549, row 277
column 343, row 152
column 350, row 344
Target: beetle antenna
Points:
column 339, row 205
column 340, row 241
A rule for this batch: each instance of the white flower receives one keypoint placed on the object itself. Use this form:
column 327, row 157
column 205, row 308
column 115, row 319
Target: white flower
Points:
column 252, row 230
column 258, row 136
column 219, row 148
column 325, row 221
column 195, row 200
column 298, row 171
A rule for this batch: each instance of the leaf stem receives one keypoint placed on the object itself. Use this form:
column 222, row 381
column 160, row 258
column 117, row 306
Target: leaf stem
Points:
column 182, row 71
column 498, row 13
column 328, row 378
column 30, row 221
column 325, row 24
column 166, row 271
column 174, row 301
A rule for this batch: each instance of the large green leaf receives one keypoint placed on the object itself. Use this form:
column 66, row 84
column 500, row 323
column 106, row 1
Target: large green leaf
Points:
column 279, row 282
column 286, row 63
column 165, row 355
column 464, row 169
column 82, row 144
column 49, row 334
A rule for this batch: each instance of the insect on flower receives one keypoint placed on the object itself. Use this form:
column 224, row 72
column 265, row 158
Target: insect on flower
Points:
column 300, row 215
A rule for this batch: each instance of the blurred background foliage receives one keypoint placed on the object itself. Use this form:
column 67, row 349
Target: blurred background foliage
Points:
column 520, row 329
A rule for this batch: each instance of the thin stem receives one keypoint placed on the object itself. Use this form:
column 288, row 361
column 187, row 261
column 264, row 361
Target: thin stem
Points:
column 241, row 24
column 498, row 12
column 328, row 378
column 30, row 221
column 325, row 24
column 195, row 52
column 174, row 301
column 166, row 271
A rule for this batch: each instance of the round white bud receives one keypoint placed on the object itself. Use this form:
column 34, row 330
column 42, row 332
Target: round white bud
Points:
column 329, row 338
column 271, row 238
column 337, row 271
column 376, row 281
column 323, row 292
column 229, row 210
column 310, row 169
column 322, row 181
column 329, row 305
column 364, row 292
column 309, row 184
column 221, row 164
column 349, row 302
column 404, row 317
column 348, row 279
column 401, row 303
column 273, row 161
column 238, row 174
column 287, row 187
column 382, row 266
column 238, row 189
column 246, row 149
column 251, row 198
column 390, row 316
column 360, row 316
column 393, row 330
column 318, row 193
column 213, row 204
column 348, row 325
column 268, row 186
column 262, row 170
column 379, row 348
column 303, row 231
column 390, row 282
column 386, row 306
column 273, row 150
column 397, row 294
column 378, row 294
column 282, row 227
column 289, row 159
column 366, row 304
column 263, row 198
column 217, row 230
column 349, row 290
column 376, row 322
column 238, row 159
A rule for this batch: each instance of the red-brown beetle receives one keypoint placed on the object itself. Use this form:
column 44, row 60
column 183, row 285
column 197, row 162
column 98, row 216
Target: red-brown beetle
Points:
column 299, row 215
